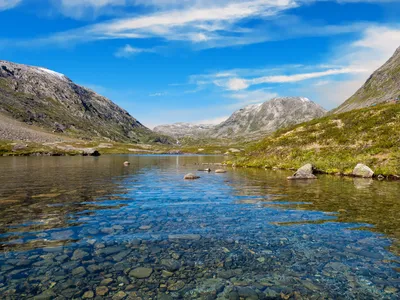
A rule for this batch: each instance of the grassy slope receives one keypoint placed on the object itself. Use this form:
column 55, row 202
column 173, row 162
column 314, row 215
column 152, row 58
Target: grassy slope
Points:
column 335, row 143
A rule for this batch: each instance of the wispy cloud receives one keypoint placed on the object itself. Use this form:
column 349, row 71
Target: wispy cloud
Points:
column 128, row 51
column 159, row 94
column 8, row 4
column 245, row 98
column 236, row 84
column 201, row 24
column 370, row 51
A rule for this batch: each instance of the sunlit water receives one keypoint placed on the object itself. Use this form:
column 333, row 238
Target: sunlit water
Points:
column 81, row 227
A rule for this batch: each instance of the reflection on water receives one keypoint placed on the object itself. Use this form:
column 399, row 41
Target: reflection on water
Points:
column 84, row 227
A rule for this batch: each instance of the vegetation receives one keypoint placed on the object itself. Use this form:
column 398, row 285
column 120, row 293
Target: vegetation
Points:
column 334, row 144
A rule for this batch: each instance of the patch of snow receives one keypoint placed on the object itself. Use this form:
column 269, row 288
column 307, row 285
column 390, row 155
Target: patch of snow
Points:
column 52, row 73
column 304, row 99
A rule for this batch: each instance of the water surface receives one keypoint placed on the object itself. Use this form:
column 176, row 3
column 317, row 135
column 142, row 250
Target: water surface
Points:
column 83, row 227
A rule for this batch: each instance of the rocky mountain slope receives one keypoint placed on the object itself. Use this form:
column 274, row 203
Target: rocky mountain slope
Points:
column 267, row 117
column 335, row 143
column 382, row 86
column 51, row 101
column 181, row 130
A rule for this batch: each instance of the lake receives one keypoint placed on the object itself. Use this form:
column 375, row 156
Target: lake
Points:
column 84, row 227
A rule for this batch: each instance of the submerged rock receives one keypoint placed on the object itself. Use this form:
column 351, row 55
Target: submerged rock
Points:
column 220, row 171
column 141, row 273
column 101, row 291
column 184, row 237
column 191, row 176
column 305, row 172
column 363, row 171
column 171, row 265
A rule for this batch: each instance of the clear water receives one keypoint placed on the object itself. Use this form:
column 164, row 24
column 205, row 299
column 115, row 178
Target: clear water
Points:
column 79, row 227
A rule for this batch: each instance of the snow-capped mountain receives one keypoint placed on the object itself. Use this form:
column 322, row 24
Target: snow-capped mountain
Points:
column 180, row 130
column 48, row 99
column 251, row 121
column 268, row 117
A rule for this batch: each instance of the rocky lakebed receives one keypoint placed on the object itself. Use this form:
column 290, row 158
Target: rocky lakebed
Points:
column 96, row 228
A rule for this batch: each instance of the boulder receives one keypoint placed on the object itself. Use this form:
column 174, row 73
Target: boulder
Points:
column 19, row 147
column 191, row 176
column 90, row 152
column 363, row 171
column 220, row 171
column 305, row 172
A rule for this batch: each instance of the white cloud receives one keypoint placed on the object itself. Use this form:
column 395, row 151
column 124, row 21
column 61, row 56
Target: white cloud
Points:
column 128, row 51
column 374, row 47
column 236, row 84
column 204, row 24
column 245, row 98
column 8, row 4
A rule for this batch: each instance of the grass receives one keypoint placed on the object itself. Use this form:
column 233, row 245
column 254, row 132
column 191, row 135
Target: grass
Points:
column 6, row 149
column 334, row 144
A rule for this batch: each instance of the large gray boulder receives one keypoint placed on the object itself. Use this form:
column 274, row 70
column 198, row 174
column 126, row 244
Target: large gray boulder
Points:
column 363, row 171
column 305, row 172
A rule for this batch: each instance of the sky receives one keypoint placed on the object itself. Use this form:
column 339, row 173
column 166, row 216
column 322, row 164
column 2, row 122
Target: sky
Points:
column 168, row 61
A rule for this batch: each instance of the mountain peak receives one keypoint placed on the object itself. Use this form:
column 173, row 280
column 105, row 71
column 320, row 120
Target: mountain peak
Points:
column 50, row 100
column 382, row 86
column 268, row 117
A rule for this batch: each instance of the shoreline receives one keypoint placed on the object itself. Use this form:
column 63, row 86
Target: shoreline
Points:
column 379, row 177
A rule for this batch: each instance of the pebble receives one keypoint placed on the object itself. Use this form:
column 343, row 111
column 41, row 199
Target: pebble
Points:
column 101, row 291
column 171, row 264
column 80, row 271
column 88, row 295
column 184, row 237
column 141, row 273
column 176, row 286
column 79, row 254
column 119, row 296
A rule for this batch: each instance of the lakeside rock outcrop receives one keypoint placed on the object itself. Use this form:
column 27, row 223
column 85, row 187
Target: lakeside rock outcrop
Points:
column 363, row 171
column 305, row 172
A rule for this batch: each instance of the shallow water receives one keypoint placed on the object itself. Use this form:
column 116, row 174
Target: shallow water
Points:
column 80, row 227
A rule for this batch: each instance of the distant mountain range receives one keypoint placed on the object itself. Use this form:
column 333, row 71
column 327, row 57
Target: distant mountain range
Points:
column 382, row 86
column 51, row 101
column 181, row 130
column 268, row 117
column 252, row 121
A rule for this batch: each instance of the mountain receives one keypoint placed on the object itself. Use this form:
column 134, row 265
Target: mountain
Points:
column 382, row 86
column 267, row 117
column 335, row 143
column 51, row 101
column 180, row 130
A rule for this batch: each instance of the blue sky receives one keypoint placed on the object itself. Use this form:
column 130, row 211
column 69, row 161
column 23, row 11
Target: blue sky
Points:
column 169, row 61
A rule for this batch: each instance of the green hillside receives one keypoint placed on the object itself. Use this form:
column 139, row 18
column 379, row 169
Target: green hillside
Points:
column 334, row 144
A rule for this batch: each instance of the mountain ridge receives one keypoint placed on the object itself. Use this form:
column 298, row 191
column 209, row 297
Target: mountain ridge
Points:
column 269, row 116
column 382, row 86
column 253, row 119
column 50, row 100
column 181, row 129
